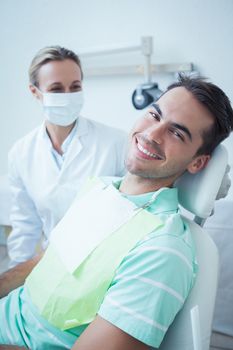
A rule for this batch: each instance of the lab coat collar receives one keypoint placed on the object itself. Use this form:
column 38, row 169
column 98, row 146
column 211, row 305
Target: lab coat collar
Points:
column 81, row 129
column 76, row 145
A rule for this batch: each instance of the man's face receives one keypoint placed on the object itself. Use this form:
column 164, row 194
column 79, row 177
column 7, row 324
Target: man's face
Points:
column 164, row 142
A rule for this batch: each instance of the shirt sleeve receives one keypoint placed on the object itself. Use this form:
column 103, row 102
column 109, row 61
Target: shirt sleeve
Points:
column 25, row 221
column 149, row 288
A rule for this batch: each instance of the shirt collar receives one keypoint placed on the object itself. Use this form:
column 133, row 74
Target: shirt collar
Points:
column 163, row 200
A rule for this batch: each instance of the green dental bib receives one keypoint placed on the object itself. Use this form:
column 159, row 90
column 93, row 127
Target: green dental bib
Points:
column 86, row 248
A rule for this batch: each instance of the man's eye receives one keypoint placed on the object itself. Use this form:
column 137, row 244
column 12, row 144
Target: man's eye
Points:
column 178, row 135
column 155, row 115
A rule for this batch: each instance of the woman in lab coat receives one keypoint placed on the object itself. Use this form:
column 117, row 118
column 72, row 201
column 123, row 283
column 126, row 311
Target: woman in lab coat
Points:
column 48, row 166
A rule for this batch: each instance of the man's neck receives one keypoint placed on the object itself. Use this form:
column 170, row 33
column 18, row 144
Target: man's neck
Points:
column 134, row 185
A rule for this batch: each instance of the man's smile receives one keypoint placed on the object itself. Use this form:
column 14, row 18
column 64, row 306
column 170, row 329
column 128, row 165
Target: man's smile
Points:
column 148, row 153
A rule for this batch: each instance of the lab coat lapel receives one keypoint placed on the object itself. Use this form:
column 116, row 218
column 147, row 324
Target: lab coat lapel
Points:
column 47, row 157
column 76, row 145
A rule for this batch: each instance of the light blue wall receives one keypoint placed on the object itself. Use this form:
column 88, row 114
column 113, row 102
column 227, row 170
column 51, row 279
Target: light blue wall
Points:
column 198, row 31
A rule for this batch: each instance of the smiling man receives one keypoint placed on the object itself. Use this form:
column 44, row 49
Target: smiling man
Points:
column 165, row 142
column 131, row 264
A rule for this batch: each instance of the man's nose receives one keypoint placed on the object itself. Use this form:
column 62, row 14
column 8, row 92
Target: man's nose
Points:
column 156, row 133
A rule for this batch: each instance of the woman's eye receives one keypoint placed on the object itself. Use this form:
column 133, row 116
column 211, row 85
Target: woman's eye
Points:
column 55, row 90
column 76, row 88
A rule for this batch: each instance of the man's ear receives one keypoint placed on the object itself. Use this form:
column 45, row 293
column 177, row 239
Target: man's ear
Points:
column 198, row 163
column 34, row 91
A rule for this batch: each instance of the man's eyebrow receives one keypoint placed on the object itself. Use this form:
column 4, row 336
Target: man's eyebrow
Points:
column 156, row 106
column 184, row 129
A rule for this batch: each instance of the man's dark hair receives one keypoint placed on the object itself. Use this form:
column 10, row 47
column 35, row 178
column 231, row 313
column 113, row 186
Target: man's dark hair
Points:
column 217, row 103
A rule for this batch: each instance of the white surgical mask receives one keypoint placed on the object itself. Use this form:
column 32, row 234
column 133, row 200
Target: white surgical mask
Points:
column 62, row 108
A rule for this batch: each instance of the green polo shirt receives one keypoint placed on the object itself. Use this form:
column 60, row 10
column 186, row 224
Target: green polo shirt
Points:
column 149, row 287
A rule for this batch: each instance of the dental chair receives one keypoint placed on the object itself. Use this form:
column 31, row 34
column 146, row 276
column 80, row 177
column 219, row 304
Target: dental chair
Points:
column 191, row 329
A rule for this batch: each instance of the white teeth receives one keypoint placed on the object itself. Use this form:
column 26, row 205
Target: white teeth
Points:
column 143, row 150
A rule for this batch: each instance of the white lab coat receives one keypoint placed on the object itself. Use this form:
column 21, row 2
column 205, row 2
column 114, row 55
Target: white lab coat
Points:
column 41, row 192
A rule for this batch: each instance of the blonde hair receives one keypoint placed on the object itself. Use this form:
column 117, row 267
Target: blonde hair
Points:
column 48, row 54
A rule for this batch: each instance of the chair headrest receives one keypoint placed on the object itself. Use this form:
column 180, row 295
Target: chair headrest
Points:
column 197, row 192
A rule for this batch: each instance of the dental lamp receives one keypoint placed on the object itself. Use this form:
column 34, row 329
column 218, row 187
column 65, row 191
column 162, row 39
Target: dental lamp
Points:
column 147, row 92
